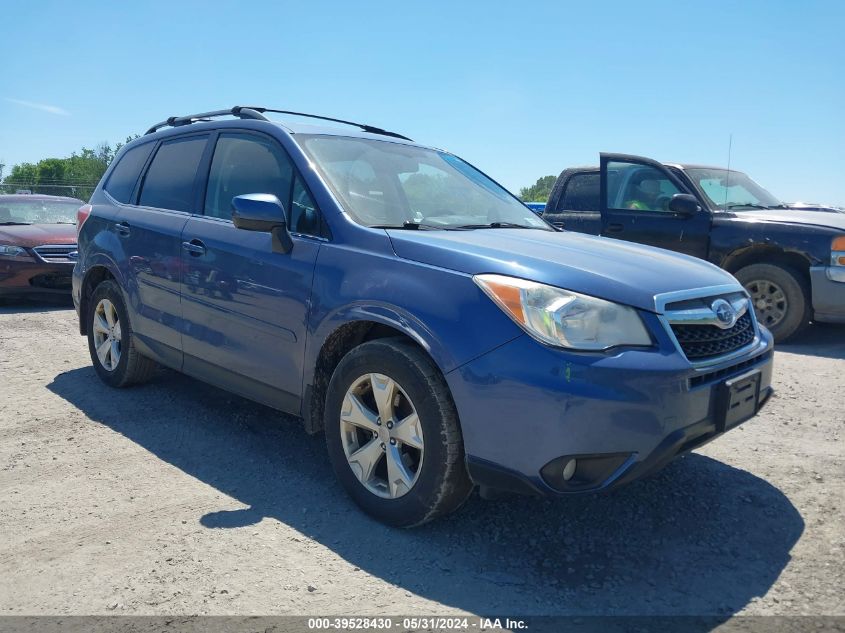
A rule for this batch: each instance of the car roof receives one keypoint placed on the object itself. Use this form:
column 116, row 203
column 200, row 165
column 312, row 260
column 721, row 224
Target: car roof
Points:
column 256, row 117
column 696, row 166
column 682, row 166
column 291, row 127
column 12, row 197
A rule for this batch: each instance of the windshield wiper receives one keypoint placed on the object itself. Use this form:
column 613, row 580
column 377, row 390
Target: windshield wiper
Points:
column 497, row 225
column 412, row 226
column 13, row 223
column 747, row 205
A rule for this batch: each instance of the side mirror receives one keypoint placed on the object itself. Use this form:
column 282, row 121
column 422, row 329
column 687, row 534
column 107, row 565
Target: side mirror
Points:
column 262, row 212
column 684, row 204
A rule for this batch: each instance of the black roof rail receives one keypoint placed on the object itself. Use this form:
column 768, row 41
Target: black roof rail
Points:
column 257, row 112
column 372, row 129
column 238, row 111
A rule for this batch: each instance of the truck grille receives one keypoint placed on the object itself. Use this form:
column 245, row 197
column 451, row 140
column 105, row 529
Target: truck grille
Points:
column 700, row 342
column 55, row 252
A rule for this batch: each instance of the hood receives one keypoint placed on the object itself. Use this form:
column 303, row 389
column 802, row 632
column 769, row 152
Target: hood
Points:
column 795, row 216
column 610, row 269
column 37, row 234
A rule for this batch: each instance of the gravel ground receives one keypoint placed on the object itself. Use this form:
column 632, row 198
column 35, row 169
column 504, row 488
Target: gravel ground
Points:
column 175, row 498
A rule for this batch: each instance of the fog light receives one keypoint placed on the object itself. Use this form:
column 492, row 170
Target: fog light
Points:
column 569, row 469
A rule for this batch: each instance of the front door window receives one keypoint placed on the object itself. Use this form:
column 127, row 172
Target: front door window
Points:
column 638, row 187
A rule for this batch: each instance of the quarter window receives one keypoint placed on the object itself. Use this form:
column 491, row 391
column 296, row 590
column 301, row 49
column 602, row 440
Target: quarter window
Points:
column 124, row 176
column 169, row 183
column 304, row 217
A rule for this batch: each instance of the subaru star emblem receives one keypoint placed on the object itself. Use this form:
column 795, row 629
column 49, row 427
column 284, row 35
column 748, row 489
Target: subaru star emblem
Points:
column 724, row 312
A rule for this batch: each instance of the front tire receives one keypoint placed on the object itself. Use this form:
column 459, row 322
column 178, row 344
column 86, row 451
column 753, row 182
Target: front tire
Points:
column 780, row 298
column 393, row 435
column 111, row 341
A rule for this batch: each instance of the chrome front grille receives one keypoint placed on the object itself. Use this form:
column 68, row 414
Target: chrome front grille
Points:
column 55, row 252
column 709, row 325
column 706, row 341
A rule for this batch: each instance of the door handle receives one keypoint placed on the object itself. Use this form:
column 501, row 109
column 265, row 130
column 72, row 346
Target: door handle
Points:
column 615, row 227
column 122, row 229
column 194, row 247
column 559, row 225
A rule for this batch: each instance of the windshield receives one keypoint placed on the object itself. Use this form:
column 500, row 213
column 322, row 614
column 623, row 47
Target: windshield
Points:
column 38, row 211
column 731, row 189
column 387, row 184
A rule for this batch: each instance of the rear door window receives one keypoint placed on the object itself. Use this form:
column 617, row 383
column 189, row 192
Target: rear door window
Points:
column 581, row 194
column 169, row 183
column 124, row 176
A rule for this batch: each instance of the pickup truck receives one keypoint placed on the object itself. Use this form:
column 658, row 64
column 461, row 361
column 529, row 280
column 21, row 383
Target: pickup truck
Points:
column 791, row 262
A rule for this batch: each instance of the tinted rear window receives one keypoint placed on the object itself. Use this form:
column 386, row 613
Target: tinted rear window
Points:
column 582, row 194
column 125, row 174
column 169, row 183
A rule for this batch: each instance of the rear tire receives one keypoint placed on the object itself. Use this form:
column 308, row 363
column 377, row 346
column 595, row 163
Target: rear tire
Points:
column 431, row 480
column 111, row 341
column 780, row 297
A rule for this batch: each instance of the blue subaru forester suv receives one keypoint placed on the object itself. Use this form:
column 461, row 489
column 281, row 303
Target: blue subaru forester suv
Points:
column 396, row 298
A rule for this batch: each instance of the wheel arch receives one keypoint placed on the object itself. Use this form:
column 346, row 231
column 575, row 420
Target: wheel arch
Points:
column 96, row 274
column 766, row 254
column 343, row 335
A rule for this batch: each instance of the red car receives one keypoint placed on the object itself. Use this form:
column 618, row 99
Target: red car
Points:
column 37, row 244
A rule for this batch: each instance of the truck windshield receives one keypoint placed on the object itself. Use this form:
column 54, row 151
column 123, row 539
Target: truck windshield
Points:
column 731, row 189
column 387, row 184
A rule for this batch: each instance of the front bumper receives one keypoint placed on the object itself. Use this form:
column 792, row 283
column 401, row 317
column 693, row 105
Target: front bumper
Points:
column 525, row 407
column 828, row 294
column 24, row 278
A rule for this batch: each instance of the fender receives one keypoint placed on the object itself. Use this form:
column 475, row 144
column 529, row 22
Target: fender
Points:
column 383, row 314
column 90, row 266
column 356, row 286
column 105, row 261
column 734, row 242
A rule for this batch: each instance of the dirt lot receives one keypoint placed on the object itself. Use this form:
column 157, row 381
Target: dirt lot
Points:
column 176, row 498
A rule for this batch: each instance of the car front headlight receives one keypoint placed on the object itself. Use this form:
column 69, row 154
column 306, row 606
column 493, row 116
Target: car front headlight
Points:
column 14, row 252
column 563, row 318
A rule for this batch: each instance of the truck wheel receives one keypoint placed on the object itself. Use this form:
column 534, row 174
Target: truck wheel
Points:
column 393, row 436
column 780, row 298
column 111, row 341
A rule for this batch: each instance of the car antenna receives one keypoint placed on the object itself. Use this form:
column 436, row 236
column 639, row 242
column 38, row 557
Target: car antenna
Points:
column 728, row 177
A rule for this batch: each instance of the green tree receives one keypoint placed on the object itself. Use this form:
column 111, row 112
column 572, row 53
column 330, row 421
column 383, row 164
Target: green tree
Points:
column 50, row 176
column 76, row 175
column 539, row 191
column 21, row 176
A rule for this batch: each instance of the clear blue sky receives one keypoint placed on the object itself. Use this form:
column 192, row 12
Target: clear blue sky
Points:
column 521, row 89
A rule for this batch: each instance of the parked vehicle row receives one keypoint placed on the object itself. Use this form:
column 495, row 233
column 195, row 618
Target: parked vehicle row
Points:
column 439, row 332
column 791, row 262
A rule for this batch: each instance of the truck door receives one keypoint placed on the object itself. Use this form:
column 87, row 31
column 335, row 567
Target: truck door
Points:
column 636, row 205
column 575, row 206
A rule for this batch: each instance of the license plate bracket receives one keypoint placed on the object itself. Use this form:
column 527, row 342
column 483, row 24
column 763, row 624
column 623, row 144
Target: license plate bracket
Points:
column 738, row 399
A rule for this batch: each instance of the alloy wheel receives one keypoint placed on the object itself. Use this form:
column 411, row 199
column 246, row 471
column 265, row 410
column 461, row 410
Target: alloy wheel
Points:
column 381, row 435
column 107, row 334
